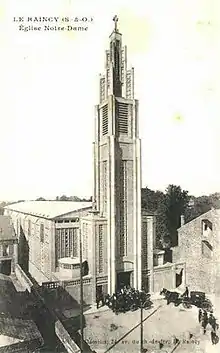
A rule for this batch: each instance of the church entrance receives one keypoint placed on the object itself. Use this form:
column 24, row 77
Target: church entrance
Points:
column 123, row 279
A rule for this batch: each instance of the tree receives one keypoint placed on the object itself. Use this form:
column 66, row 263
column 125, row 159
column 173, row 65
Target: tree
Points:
column 64, row 198
column 176, row 202
column 202, row 204
column 151, row 199
column 169, row 207
column 40, row 199
column 162, row 229
column 74, row 198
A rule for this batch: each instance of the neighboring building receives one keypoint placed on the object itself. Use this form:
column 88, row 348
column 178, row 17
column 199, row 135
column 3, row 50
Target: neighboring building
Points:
column 8, row 246
column 18, row 332
column 118, row 236
column 199, row 248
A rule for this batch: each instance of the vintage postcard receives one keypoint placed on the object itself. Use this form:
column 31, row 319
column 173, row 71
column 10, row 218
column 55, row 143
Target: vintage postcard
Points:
column 110, row 193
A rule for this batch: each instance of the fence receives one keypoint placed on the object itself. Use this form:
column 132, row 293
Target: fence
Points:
column 51, row 285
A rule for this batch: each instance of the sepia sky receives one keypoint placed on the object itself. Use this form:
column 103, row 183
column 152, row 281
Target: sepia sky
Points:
column 49, row 86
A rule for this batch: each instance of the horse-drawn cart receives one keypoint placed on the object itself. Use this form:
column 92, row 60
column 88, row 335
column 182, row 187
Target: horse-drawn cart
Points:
column 199, row 299
column 196, row 298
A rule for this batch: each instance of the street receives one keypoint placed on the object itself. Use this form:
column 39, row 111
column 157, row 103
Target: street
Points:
column 107, row 332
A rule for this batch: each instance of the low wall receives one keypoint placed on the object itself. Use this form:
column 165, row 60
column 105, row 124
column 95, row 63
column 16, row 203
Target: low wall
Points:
column 65, row 338
column 51, row 285
column 72, row 286
column 74, row 291
column 23, row 278
column 38, row 275
column 164, row 277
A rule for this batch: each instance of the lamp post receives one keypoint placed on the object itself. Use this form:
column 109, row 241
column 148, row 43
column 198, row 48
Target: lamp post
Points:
column 81, row 289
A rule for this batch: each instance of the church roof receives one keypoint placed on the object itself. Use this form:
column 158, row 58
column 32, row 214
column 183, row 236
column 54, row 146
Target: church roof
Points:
column 48, row 209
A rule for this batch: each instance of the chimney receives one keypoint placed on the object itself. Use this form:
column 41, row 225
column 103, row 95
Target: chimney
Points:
column 182, row 220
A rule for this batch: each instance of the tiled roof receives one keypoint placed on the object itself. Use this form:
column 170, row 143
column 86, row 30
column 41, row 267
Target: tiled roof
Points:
column 13, row 327
column 48, row 209
column 25, row 330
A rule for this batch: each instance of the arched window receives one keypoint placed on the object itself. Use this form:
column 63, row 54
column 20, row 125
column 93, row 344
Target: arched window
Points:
column 207, row 249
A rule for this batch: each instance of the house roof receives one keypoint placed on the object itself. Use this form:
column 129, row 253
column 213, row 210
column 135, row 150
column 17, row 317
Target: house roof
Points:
column 14, row 327
column 6, row 228
column 22, row 330
column 202, row 217
column 48, row 209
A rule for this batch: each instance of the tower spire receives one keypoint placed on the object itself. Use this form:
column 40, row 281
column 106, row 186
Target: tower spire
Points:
column 115, row 19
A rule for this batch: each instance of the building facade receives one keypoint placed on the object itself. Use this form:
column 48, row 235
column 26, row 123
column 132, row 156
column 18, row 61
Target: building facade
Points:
column 199, row 248
column 118, row 237
column 117, row 168
column 47, row 231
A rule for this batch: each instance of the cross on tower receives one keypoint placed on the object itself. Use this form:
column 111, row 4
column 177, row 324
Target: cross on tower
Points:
column 115, row 19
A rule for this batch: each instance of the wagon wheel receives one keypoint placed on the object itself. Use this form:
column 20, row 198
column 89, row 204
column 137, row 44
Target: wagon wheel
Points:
column 206, row 306
column 187, row 305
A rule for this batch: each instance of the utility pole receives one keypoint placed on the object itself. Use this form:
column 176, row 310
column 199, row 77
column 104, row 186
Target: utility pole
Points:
column 81, row 289
column 141, row 328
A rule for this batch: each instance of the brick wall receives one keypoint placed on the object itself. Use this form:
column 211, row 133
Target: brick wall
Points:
column 201, row 271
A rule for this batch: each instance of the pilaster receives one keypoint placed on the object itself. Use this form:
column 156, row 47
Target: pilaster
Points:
column 112, row 211
column 52, row 247
column 150, row 258
column 94, row 171
column 109, row 240
column 135, row 278
column 139, row 225
column 93, row 252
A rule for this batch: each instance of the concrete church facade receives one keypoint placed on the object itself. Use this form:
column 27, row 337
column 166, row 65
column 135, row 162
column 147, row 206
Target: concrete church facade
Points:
column 117, row 169
column 118, row 236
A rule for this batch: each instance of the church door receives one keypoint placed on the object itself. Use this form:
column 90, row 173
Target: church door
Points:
column 123, row 279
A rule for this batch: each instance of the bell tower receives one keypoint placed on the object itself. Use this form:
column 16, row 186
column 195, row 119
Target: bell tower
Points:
column 117, row 164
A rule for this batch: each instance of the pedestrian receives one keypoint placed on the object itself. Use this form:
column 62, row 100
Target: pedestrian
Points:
column 212, row 322
column 97, row 300
column 200, row 315
column 103, row 299
column 213, row 336
column 204, row 321
column 187, row 292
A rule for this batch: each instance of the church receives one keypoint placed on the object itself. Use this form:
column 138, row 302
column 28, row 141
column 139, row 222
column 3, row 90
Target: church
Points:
column 118, row 237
